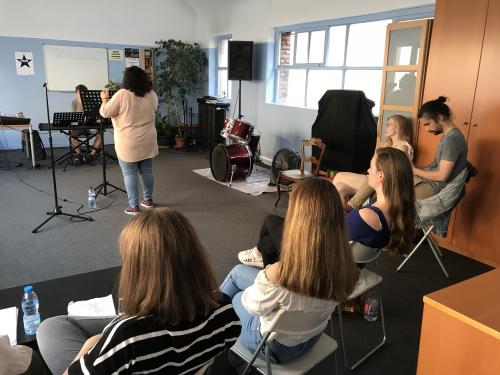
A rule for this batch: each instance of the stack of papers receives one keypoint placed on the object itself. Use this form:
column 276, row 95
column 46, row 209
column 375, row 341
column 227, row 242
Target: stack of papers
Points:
column 103, row 306
column 8, row 323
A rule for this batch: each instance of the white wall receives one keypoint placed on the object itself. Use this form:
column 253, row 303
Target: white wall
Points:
column 281, row 126
column 110, row 21
column 255, row 19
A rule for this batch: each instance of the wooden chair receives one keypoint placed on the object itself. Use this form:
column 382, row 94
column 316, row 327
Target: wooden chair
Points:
column 293, row 175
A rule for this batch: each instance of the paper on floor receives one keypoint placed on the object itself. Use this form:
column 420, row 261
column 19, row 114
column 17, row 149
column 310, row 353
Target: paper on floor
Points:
column 103, row 306
column 8, row 323
column 255, row 184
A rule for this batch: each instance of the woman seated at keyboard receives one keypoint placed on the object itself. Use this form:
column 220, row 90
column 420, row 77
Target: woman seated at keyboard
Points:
column 386, row 222
column 174, row 320
column 315, row 272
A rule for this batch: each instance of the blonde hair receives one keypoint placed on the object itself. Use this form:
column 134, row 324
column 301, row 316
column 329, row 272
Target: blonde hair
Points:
column 315, row 256
column 399, row 192
column 165, row 271
column 405, row 129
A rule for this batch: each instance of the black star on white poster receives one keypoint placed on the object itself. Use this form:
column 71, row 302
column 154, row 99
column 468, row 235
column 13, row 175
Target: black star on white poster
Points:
column 24, row 63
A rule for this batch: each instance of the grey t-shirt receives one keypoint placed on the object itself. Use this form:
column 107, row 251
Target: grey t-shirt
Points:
column 452, row 148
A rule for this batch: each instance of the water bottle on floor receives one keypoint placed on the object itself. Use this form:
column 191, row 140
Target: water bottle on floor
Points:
column 91, row 194
column 31, row 316
column 371, row 308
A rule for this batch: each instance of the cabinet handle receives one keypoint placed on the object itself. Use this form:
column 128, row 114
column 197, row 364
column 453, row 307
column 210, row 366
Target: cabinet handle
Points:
column 465, row 123
column 474, row 125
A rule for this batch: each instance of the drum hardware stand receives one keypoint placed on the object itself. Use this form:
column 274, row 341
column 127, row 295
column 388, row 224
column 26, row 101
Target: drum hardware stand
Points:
column 57, row 209
column 233, row 169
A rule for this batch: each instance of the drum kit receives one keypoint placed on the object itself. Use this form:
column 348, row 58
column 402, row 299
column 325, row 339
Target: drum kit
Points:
column 236, row 157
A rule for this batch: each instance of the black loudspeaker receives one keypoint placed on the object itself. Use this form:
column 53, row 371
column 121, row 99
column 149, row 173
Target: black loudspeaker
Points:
column 240, row 60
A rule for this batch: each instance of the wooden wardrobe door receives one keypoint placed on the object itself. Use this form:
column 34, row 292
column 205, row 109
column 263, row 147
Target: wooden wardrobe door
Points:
column 477, row 224
column 454, row 55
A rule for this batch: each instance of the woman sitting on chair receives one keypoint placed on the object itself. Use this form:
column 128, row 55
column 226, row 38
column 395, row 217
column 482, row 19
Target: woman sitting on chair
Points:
column 387, row 222
column 174, row 320
column 354, row 188
column 315, row 271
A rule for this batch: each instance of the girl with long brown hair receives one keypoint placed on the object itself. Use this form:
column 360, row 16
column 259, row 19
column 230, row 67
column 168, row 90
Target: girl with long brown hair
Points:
column 388, row 221
column 315, row 271
column 174, row 320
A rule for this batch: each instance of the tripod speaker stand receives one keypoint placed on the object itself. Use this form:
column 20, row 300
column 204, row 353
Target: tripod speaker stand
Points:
column 57, row 209
column 91, row 102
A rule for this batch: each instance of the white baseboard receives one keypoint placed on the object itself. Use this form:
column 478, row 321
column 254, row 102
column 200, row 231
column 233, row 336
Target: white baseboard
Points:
column 267, row 161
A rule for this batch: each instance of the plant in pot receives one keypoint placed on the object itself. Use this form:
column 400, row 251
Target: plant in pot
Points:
column 112, row 85
column 164, row 131
column 181, row 72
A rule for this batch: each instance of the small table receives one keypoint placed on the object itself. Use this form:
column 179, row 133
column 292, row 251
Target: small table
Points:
column 461, row 328
column 55, row 294
column 30, row 128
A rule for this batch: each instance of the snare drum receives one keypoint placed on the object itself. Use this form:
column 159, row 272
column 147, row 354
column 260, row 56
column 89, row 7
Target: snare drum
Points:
column 225, row 159
column 241, row 131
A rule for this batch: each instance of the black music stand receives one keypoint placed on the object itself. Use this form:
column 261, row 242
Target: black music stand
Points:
column 57, row 209
column 91, row 102
column 67, row 119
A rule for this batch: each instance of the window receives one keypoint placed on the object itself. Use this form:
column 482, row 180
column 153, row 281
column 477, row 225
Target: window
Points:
column 223, row 89
column 337, row 54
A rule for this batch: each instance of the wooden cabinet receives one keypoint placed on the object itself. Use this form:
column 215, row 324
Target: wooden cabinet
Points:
column 463, row 65
column 478, row 216
column 461, row 329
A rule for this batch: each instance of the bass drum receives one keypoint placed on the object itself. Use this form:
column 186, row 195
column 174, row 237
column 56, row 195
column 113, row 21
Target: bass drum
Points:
column 226, row 158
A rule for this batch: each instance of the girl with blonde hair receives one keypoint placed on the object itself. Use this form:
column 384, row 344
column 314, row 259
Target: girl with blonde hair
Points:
column 315, row 271
column 174, row 320
column 353, row 187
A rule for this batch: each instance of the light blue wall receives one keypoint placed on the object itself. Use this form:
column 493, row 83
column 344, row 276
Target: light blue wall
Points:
column 26, row 94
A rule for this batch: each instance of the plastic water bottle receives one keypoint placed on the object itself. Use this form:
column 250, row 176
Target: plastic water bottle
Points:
column 371, row 308
column 91, row 195
column 31, row 316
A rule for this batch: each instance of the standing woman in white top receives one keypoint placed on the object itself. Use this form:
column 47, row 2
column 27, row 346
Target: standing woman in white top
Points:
column 353, row 187
column 132, row 111
column 315, row 271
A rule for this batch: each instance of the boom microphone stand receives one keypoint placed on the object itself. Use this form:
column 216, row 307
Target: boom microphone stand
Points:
column 57, row 209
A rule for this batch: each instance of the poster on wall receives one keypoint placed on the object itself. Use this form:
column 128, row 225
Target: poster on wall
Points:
column 131, row 57
column 24, row 64
column 115, row 54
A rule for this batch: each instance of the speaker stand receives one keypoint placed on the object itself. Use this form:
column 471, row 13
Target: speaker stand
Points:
column 239, row 101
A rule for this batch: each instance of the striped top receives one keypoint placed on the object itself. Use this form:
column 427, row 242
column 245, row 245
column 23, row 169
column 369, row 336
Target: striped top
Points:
column 142, row 345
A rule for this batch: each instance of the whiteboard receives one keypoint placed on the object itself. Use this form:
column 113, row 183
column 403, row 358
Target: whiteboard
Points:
column 66, row 67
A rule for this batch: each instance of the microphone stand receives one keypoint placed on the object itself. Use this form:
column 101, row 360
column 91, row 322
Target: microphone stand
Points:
column 57, row 209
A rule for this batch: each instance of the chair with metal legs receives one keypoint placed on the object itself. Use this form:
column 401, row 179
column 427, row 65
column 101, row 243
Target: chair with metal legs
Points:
column 432, row 244
column 429, row 228
column 367, row 281
column 289, row 322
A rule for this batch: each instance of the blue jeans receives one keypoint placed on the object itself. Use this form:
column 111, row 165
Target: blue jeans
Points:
column 130, row 172
column 240, row 278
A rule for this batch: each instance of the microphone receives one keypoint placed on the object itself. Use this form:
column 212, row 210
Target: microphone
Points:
column 45, row 84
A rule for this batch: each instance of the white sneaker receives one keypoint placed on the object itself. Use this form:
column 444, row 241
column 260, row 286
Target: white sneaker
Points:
column 250, row 258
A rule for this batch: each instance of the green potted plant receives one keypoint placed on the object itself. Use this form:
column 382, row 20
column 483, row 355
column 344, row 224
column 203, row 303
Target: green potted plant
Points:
column 164, row 131
column 112, row 85
column 181, row 72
